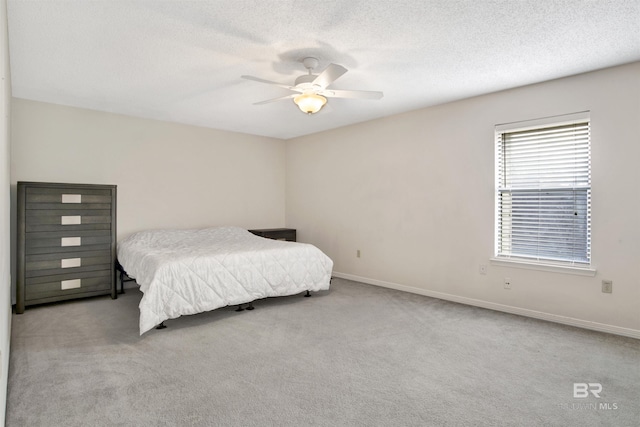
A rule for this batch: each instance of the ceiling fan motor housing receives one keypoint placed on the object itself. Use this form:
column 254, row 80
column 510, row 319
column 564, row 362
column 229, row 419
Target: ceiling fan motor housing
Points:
column 307, row 78
column 304, row 81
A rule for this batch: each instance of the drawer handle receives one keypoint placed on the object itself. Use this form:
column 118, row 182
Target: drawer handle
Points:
column 71, row 220
column 70, row 284
column 71, row 241
column 72, row 198
column 70, row 262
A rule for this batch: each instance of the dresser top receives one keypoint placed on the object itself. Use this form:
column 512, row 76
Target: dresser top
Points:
column 59, row 184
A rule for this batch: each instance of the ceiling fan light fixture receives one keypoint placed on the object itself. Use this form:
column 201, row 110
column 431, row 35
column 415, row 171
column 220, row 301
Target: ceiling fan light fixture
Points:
column 310, row 103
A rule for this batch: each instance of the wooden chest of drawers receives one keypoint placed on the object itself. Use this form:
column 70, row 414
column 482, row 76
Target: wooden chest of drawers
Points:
column 66, row 242
column 288, row 234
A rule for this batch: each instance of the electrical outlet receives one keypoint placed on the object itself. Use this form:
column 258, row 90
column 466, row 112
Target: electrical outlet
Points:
column 358, row 253
column 507, row 283
column 483, row 269
column 607, row 286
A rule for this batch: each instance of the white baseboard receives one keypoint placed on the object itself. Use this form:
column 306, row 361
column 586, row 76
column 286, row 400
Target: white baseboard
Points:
column 586, row 324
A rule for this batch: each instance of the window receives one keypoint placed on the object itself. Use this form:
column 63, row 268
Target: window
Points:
column 543, row 197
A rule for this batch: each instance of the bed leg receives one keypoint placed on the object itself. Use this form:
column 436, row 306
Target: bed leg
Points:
column 120, row 270
column 239, row 308
column 250, row 307
column 161, row 325
column 121, row 282
column 308, row 294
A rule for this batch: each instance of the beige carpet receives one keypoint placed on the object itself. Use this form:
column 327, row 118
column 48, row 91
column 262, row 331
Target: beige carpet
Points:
column 356, row 355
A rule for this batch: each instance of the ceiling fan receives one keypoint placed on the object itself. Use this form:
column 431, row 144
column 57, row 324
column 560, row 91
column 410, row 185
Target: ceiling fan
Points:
column 311, row 90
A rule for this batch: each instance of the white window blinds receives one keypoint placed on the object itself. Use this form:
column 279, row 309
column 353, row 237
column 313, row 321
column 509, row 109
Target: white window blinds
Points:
column 544, row 193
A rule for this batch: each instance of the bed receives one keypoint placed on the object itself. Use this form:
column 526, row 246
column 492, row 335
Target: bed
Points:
column 184, row 272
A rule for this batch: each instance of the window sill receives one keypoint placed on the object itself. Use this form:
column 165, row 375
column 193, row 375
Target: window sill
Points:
column 544, row 266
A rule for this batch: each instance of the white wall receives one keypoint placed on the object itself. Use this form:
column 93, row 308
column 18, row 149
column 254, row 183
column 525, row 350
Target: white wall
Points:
column 415, row 193
column 5, row 206
column 168, row 175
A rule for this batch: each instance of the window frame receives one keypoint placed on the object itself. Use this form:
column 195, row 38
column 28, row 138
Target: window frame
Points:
column 572, row 267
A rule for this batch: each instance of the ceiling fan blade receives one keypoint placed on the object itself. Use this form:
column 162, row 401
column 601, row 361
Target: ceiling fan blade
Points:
column 329, row 75
column 352, row 94
column 257, row 79
column 282, row 98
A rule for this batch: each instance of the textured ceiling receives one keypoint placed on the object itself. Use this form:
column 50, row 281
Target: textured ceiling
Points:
column 181, row 61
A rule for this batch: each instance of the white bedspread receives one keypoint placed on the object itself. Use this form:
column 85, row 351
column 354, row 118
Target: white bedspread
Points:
column 191, row 271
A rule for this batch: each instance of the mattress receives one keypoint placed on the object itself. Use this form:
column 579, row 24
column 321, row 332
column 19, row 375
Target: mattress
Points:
column 183, row 272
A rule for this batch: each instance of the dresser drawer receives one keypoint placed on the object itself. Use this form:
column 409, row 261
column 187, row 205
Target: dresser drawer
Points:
column 63, row 241
column 67, row 262
column 67, row 219
column 63, row 285
column 70, row 197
